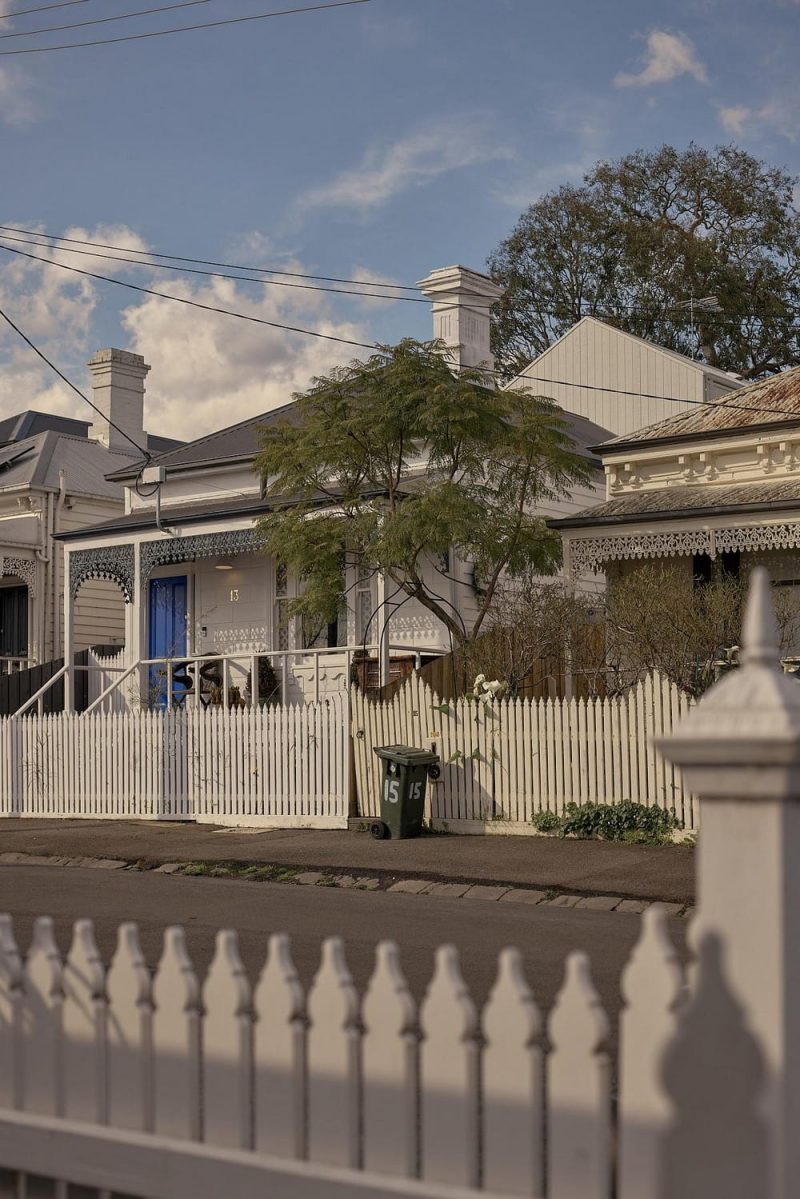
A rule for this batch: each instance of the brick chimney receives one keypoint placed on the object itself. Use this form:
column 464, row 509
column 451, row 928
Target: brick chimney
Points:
column 461, row 301
column 118, row 391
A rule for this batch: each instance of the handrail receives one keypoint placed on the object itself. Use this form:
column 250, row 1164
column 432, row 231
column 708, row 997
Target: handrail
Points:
column 112, row 686
column 37, row 695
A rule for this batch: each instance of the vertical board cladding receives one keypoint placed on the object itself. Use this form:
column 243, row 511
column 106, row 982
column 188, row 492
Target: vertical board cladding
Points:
column 506, row 760
column 268, row 766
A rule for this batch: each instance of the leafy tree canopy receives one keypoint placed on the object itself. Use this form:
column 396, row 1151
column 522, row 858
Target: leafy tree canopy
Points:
column 642, row 236
column 392, row 462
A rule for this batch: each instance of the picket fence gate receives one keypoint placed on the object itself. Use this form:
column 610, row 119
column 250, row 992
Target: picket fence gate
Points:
column 163, row 1087
column 506, row 760
column 287, row 766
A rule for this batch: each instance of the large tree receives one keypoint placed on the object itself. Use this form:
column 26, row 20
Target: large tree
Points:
column 389, row 464
column 641, row 238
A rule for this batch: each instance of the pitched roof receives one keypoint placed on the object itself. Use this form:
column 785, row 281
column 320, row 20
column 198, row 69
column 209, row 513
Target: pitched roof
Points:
column 669, row 503
column 771, row 401
column 714, row 372
column 29, row 423
column 235, row 443
column 37, row 461
column 241, row 442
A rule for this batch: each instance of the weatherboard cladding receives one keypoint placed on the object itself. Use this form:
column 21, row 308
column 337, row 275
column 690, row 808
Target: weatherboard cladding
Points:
column 772, row 401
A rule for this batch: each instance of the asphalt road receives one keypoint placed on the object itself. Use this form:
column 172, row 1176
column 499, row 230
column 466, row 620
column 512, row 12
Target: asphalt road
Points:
column 479, row 928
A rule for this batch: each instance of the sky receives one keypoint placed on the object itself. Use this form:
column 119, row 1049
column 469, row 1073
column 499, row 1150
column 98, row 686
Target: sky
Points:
column 374, row 141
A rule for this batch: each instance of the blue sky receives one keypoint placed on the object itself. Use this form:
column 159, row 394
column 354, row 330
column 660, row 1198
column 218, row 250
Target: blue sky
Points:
column 380, row 140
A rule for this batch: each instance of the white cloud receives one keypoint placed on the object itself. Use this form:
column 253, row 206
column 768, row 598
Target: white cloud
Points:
column 734, row 118
column 55, row 309
column 412, row 161
column 375, row 284
column 210, row 370
column 667, row 56
column 17, row 105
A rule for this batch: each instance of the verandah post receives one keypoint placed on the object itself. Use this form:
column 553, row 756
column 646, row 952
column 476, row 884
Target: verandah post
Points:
column 739, row 751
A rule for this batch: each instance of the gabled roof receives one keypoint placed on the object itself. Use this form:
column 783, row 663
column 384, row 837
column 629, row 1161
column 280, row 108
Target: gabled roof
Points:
column 235, row 443
column 242, row 442
column 763, row 404
column 37, row 461
column 729, row 380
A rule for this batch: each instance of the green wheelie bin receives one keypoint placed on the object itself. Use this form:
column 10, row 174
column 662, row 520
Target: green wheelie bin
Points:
column 405, row 775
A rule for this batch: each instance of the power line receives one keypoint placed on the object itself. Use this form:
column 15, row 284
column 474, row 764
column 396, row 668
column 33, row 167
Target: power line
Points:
column 233, row 266
column 21, row 12
column 137, row 37
column 168, row 266
column 125, row 16
column 146, row 454
column 644, row 395
column 258, row 320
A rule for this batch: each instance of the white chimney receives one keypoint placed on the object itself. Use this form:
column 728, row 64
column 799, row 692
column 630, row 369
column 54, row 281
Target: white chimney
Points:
column 461, row 302
column 118, row 391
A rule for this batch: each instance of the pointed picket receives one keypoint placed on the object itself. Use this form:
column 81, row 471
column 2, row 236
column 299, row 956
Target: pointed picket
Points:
column 449, row 1076
column 84, row 1022
column 43, row 1076
column 513, row 1084
column 390, row 1058
column 279, row 1055
column 176, row 1041
column 227, row 1048
column 333, row 1062
column 129, row 1032
column 10, row 1017
column 652, row 985
column 579, row 1097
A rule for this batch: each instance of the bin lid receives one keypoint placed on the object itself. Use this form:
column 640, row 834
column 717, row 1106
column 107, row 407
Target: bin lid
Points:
column 406, row 755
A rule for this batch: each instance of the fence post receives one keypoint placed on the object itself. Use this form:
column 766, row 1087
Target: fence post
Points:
column 739, row 752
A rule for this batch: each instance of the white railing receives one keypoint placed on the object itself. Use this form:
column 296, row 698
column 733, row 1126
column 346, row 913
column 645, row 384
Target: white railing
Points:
column 14, row 665
column 279, row 766
column 504, row 761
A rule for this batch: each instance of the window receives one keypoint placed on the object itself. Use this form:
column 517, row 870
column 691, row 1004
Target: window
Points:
column 363, row 604
column 281, row 606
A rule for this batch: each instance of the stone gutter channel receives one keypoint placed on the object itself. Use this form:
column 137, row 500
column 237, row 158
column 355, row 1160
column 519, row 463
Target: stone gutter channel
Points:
column 390, row 883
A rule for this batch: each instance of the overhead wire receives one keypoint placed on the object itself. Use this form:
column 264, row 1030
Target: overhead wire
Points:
column 23, row 12
column 684, row 400
column 125, row 16
column 384, row 284
column 73, row 386
column 233, row 266
column 137, row 37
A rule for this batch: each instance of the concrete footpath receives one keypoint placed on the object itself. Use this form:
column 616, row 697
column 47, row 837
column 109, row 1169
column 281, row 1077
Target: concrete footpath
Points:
column 548, row 864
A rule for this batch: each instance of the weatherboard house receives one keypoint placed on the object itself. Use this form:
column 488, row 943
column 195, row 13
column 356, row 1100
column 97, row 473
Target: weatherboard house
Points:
column 53, row 478
column 714, row 488
column 206, row 607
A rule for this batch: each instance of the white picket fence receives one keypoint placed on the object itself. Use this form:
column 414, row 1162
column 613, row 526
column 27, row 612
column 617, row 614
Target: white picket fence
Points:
column 504, row 761
column 440, row 1092
column 286, row 766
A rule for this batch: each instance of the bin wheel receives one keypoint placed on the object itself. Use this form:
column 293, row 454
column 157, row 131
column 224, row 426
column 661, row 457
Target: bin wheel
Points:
column 379, row 830
column 434, row 771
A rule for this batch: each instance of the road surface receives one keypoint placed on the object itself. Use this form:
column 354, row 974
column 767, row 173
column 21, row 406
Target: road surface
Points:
column 479, row 928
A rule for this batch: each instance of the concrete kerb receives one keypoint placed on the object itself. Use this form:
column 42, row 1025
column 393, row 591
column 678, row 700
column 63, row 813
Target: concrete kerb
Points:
column 488, row 893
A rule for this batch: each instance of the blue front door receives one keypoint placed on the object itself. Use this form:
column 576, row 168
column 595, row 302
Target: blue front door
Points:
column 167, row 637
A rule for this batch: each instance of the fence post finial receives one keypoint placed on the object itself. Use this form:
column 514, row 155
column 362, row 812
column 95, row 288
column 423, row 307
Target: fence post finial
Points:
column 738, row 751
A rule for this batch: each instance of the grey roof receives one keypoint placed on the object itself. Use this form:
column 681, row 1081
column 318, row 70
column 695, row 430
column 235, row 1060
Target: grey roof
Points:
column 767, row 402
column 667, row 503
column 37, row 462
column 235, row 443
column 241, row 442
column 29, row 423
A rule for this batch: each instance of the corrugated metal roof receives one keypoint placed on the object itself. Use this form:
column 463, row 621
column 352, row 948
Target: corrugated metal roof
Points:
column 771, row 401
column 689, row 499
